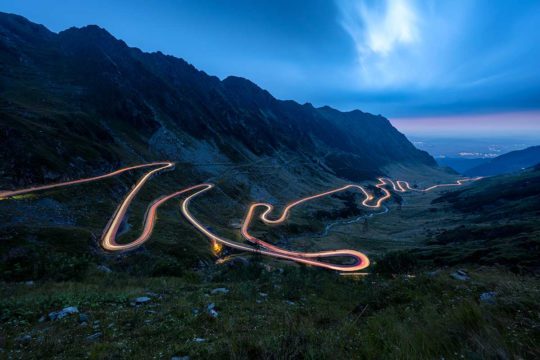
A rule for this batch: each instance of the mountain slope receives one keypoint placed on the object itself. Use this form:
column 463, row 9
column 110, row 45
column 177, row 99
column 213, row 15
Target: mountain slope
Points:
column 502, row 223
column 83, row 100
column 461, row 165
column 507, row 163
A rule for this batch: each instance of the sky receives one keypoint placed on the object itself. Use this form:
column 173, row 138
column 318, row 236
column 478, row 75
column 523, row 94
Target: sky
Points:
column 465, row 66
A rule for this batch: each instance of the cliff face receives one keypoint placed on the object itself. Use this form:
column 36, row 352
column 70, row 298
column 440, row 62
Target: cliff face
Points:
column 85, row 100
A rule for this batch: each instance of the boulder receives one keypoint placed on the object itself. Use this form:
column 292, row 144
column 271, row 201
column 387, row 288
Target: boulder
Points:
column 460, row 275
column 94, row 337
column 221, row 290
column 141, row 300
column 488, row 297
column 104, row 269
column 57, row 315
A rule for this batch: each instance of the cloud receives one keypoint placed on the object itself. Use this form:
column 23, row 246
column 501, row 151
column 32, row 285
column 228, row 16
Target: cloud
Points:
column 384, row 30
column 380, row 31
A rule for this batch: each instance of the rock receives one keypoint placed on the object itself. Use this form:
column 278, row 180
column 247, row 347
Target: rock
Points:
column 236, row 224
column 460, row 275
column 488, row 297
column 267, row 267
column 57, row 315
column 199, row 340
column 83, row 318
column 433, row 273
column 29, row 283
column 180, row 358
column 24, row 339
column 42, row 319
column 238, row 262
column 289, row 302
column 263, row 294
column 94, row 337
column 211, row 310
column 141, row 300
column 221, row 290
column 104, row 269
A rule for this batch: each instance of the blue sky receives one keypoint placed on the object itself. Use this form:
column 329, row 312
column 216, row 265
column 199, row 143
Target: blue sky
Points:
column 399, row 58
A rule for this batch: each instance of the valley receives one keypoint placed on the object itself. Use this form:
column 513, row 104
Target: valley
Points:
column 151, row 210
column 109, row 243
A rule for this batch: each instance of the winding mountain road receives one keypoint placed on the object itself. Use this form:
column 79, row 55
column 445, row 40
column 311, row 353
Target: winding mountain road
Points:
column 108, row 241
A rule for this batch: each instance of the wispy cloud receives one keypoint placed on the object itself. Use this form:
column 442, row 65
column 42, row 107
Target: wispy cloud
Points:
column 380, row 32
column 378, row 29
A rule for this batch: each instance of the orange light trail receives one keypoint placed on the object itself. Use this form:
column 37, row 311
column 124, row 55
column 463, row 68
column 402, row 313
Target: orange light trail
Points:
column 108, row 241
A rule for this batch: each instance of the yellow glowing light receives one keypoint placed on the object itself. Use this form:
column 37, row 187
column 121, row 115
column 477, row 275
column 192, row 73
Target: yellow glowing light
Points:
column 216, row 247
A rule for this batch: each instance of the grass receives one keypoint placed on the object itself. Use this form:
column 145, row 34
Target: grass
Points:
column 408, row 307
column 302, row 313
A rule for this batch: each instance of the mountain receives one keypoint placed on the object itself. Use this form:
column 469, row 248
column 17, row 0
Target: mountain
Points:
column 85, row 101
column 502, row 223
column 507, row 163
column 461, row 165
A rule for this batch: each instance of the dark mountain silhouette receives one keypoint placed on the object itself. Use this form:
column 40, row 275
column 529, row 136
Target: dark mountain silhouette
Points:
column 507, row 163
column 82, row 98
column 461, row 165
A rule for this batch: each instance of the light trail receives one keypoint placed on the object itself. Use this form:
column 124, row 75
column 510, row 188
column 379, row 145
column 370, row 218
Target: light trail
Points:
column 305, row 258
column 403, row 186
column 108, row 241
column 11, row 193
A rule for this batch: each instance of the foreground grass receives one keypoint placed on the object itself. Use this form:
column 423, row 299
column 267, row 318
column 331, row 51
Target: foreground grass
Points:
column 267, row 313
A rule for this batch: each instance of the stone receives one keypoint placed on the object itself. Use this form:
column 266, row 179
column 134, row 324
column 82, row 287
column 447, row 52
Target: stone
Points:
column 180, row 358
column 141, row 300
column 104, row 269
column 460, row 275
column 488, row 297
column 221, row 290
column 83, row 318
column 24, row 339
column 199, row 340
column 212, row 311
column 433, row 273
column 94, row 337
column 237, row 262
column 57, row 315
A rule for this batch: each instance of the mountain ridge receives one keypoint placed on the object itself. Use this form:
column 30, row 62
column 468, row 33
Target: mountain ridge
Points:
column 83, row 88
column 507, row 163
